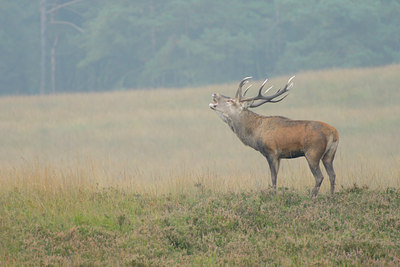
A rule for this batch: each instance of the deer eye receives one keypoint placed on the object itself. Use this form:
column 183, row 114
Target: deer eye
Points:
column 231, row 101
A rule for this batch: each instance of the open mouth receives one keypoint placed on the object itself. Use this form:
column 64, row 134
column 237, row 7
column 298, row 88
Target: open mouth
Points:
column 214, row 103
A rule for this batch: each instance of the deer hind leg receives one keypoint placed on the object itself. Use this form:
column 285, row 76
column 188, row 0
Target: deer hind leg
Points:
column 328, row 163
column 331, row 173
column 313, row 163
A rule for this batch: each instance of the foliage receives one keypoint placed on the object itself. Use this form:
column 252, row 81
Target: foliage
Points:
column 18, row 40
column 132, row 44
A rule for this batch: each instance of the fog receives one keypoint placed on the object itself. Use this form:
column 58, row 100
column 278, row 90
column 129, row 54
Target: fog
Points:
column 50, row 46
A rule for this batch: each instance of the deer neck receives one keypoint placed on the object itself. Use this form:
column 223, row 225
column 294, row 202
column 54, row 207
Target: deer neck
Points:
column 245, row 125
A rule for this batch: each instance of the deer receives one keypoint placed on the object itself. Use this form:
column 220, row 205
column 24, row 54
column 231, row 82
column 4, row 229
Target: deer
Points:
column 277, row 137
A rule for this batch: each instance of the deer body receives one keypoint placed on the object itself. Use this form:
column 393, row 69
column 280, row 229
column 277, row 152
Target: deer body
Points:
column 278, row 137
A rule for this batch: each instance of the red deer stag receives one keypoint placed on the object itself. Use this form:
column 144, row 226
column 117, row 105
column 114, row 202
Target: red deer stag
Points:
column 278, row 137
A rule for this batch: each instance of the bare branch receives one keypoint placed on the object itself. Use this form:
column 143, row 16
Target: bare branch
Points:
column 63, row 5
column 76, row 27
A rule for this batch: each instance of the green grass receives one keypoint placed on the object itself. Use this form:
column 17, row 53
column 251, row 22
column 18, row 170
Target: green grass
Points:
column 357, row 227
column 156, row 178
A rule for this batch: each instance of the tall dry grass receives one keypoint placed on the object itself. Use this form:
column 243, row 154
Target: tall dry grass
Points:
column 168, row 141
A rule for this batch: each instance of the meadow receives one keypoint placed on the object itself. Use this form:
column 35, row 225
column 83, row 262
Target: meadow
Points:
column 155, row 177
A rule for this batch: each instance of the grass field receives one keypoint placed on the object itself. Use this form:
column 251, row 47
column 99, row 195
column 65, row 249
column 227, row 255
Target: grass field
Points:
column 155, row 177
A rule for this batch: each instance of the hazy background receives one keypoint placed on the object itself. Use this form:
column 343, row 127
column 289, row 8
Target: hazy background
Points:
column 93, row 45
column 165, row 141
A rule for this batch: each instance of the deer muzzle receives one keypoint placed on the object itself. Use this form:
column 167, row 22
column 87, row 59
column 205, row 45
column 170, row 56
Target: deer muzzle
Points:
column 214, row 102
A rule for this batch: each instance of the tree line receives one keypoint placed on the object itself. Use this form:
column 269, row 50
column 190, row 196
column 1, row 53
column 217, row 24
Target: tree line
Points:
column 49, row 46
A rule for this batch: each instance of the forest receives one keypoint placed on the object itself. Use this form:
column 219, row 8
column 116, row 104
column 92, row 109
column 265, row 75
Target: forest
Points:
column 53, row 46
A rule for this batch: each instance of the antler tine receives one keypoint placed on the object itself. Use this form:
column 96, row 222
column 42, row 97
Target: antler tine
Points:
column 239, row 90
column 271, row 98
column 291, row 78
column 259, row 91
column 262, row 86
column 263, row 102
column 247, row 89
column 266, row 91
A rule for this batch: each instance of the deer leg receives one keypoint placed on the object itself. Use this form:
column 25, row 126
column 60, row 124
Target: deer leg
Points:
column 274, row 168
column 328, row 163
column 327, row 159
column 316, row 171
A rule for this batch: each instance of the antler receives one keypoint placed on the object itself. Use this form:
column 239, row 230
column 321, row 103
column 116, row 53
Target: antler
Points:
column 260, row 96
column 239, row 94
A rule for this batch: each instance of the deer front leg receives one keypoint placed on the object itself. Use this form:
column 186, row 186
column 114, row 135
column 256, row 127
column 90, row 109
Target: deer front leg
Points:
column 274, row 168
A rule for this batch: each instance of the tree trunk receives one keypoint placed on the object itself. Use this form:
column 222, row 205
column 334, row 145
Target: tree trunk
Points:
column 53, row 65
column 43, row 30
